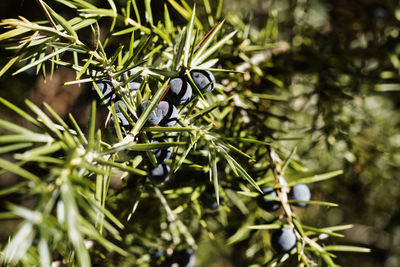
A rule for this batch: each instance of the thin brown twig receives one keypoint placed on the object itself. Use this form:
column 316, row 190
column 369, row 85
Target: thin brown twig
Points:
column 276, row 163
column 283, row 192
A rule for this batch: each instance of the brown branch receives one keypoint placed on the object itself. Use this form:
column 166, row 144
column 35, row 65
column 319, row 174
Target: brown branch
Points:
column 279, row 178
column 276, row 164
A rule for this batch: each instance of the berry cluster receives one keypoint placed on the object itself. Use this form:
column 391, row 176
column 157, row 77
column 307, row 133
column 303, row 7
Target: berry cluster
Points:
column 284, row 239
column 164, row 114
column 299, row 192
column 107, row 92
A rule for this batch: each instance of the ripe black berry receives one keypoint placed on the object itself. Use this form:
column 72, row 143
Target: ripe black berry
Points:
column 283, row 240
column 182, row 258
column 135, row 84
column 180, row 91
column 266, row 203
column 155, row 116
column 161, row 155
column 209, row 199
column 160, row 174
column 300, row 192
column 169, row 114
column 204, row 80
column 158, row 254
column 123, row 121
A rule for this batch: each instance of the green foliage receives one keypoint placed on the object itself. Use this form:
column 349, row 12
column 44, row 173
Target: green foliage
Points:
column 233, row 139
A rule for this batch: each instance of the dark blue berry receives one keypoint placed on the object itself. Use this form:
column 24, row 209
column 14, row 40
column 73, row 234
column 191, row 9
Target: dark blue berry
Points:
column 300, row 192
column 179, row 92
column 135, row 84
column 120, row 103
column 159, row 174
column 123, row 121
column 106, row 90
column 157, row 255
column 283, row 240
column 379, row 14
column 204, row 80
column 169, row 114
column 209, row 199
column 266, row 203
column 182, row 258
column 155, row 116
column 31, row 72
column 161, row 155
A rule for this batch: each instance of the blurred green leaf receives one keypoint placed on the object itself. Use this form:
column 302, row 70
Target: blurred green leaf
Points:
column 11, row 167
column 19, row 244
column 49, row 56
column 241, row 171
column 316, row 178
column 347, row 248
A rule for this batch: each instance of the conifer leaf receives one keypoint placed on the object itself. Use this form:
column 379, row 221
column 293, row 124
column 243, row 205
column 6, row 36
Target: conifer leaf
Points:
column 19, row 244
column 14, row 147
column 63, row 22
column 347, row 248
column 19, row 111
column 241, row 171
column 11, row 167
column 198, row 60
column 8, row 65
column 316, row 178
column 188, row 40
column 149, row 108
column 44, row 253
column 43, row 59
column 265, row 226
column 91, row 131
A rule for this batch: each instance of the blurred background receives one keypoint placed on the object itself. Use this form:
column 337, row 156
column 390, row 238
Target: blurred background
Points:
column 341, row 74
